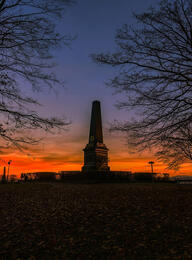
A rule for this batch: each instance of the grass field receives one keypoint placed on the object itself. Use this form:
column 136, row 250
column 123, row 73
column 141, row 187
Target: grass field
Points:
column 95, row 221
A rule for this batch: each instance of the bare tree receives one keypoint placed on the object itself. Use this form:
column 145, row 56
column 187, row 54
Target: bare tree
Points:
column 155, row 60
column 176, row 149
column 27, row 36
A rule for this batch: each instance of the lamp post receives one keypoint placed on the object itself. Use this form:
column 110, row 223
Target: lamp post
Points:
column 151, row 163
column 9, row 162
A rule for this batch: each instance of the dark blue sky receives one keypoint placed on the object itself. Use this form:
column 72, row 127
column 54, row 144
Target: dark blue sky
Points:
column 94, row 22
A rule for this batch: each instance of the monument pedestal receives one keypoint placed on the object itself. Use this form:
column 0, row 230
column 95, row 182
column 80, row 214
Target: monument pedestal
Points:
column 95, row 158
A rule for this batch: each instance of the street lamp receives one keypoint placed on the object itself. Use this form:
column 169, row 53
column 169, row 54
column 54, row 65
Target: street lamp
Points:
column 151, row 163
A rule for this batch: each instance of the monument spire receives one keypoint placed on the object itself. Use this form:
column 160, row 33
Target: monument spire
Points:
column 95, row 152
column 96, row 133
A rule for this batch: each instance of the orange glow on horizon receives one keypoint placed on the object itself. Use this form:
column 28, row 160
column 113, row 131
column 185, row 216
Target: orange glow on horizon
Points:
column 24, row 164
column 64, row 153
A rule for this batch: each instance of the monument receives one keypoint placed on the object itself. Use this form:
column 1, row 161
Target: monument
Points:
column 95, row 152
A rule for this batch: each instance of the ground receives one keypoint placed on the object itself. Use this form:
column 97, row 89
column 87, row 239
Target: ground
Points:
column 95, row 221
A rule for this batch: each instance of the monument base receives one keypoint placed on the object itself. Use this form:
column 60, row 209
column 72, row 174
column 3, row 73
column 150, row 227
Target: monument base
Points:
column 92, row 169
column 95, row 158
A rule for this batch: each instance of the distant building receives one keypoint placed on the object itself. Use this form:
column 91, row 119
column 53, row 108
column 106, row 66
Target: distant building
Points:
column 145, row 176
column 39, row 176
column 13, row 178
column 45, row 176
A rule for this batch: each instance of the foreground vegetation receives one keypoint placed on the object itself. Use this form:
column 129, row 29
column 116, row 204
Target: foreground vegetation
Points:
column 95, row 221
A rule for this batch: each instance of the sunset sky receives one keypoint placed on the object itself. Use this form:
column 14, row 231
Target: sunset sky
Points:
column 94, row 24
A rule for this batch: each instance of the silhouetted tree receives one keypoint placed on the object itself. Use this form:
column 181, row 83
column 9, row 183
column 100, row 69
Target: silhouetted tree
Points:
column 27, row 35
column 177, row 148
column 155, row 61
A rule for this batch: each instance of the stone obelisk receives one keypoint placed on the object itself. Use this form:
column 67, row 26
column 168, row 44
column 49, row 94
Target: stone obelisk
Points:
column 95, row 152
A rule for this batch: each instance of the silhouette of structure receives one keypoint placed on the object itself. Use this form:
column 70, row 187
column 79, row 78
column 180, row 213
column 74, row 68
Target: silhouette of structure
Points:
column 95, row 152
column 151, row 163
column 4, row 179
column 9, row 162
column 39, row 176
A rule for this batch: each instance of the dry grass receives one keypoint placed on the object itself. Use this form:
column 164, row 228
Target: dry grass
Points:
column 96, row 221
